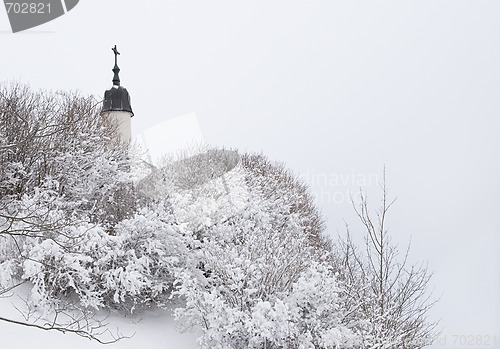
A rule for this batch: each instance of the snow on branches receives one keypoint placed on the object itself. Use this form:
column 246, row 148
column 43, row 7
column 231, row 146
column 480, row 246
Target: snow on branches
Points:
column 264, row 283
column 252, row 267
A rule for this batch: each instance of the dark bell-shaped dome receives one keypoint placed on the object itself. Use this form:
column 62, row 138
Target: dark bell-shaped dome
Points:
column 117, row 99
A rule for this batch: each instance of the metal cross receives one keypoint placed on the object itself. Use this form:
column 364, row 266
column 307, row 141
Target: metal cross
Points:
column 115, row 50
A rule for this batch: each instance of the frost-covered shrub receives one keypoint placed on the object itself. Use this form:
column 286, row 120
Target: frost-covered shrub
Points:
column 204, row 189
column 63, row 177
column 308, row 315
column 134, row 267
column 264, row 280
column 61, row 138
column 143, row 259
column 72, row 223
column 274, row 181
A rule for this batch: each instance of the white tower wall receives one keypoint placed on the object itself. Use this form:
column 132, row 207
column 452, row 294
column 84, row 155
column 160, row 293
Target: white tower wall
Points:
column 123, row 120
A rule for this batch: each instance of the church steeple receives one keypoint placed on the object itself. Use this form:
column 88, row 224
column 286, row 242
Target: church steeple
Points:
column 117, row 98
column 116, row 103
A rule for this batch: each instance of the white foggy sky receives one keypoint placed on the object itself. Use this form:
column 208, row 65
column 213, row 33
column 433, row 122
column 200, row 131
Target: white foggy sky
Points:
column 332, row 88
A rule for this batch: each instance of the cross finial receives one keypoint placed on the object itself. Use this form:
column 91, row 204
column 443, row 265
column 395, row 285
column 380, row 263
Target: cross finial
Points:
column 116, row 70
column 115, row 50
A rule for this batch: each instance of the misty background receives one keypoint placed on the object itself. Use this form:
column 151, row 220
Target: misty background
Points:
column 337, row 90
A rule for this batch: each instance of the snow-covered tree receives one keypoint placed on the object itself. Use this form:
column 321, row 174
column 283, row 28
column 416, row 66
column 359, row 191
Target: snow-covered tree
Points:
column 265, row 280
column 62, row 177
column 255, row 271
column 387, row 298
column 135, row 266
column 275, row 182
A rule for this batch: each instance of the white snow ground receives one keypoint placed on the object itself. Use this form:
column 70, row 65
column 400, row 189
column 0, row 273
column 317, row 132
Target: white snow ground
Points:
column 152, row 329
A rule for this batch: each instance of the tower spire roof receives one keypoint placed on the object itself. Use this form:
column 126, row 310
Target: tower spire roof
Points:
column 117, row 98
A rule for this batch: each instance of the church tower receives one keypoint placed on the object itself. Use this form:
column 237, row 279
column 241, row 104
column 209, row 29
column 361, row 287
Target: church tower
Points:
column 116, row 104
